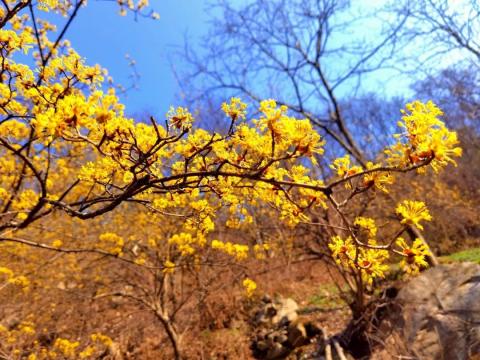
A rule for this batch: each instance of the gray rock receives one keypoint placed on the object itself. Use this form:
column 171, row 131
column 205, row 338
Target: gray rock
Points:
column 440, row 314
column 279, row 330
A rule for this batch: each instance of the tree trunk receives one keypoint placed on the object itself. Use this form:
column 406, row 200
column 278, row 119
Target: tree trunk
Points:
column 172, row 334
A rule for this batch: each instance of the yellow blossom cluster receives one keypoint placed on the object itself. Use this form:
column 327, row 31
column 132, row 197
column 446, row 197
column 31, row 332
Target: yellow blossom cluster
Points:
column 414, row 256
column 66, row 347
column 371, row 263
column 180, row 118
column 186, row 243
column 12, row 41
column 380, row 179
column 250, row 286
column 27, row 332
column 343, row 166
column 169, row 267
column 260, row 250
column 373, row 175
column 10, row 336
column 425, row 141
column 112, row 243
column 240, row 252
column 235, row 109
column 364, row 253
column 368, row 225
column 426, row 138
column 412, row 212
column 288, row 133
column 10, row 278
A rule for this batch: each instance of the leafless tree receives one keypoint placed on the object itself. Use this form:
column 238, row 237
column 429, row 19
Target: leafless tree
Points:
column 307, row 54
column 440, row 33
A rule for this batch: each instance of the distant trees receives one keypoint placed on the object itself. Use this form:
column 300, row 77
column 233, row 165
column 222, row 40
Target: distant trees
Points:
column 309, row 55
column 446, row 31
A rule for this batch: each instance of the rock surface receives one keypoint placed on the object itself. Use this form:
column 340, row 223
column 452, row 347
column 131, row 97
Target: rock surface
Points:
column 438, row 316
column 279, row 329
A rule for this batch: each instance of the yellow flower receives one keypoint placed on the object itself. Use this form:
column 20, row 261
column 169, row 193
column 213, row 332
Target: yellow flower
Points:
column 425, row 140
column 414, row 256
column 106, row 340
column 239, row 251
column 235, row 109
column 66, row 347
column 169, row 267
column 250, row 287
column 413, row 212
column 47, row 5
column 128, row 177
column 371, row 263
column 113, row 242
column 377, row 178
column 6, row 271
column 27, row 328
column 260, row 251
column 87, row 352
column 57, row 243
column 180, row 118
column 21, row 281
column 343, row 251
column 367, row 224
column 344, row 168
column 184, row 242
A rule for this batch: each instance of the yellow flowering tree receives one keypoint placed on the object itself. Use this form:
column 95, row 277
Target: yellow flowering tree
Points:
column 68, row 149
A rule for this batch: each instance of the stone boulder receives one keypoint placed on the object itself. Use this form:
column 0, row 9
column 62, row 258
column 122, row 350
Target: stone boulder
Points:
column 436, row 316
column 278, row 330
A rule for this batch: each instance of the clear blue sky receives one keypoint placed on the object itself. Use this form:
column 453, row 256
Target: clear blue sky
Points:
column 104, row 37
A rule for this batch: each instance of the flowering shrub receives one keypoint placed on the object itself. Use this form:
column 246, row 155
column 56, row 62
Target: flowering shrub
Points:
column 67, row 146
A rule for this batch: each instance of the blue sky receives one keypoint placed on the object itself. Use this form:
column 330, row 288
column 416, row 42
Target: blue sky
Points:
column 104, row 37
